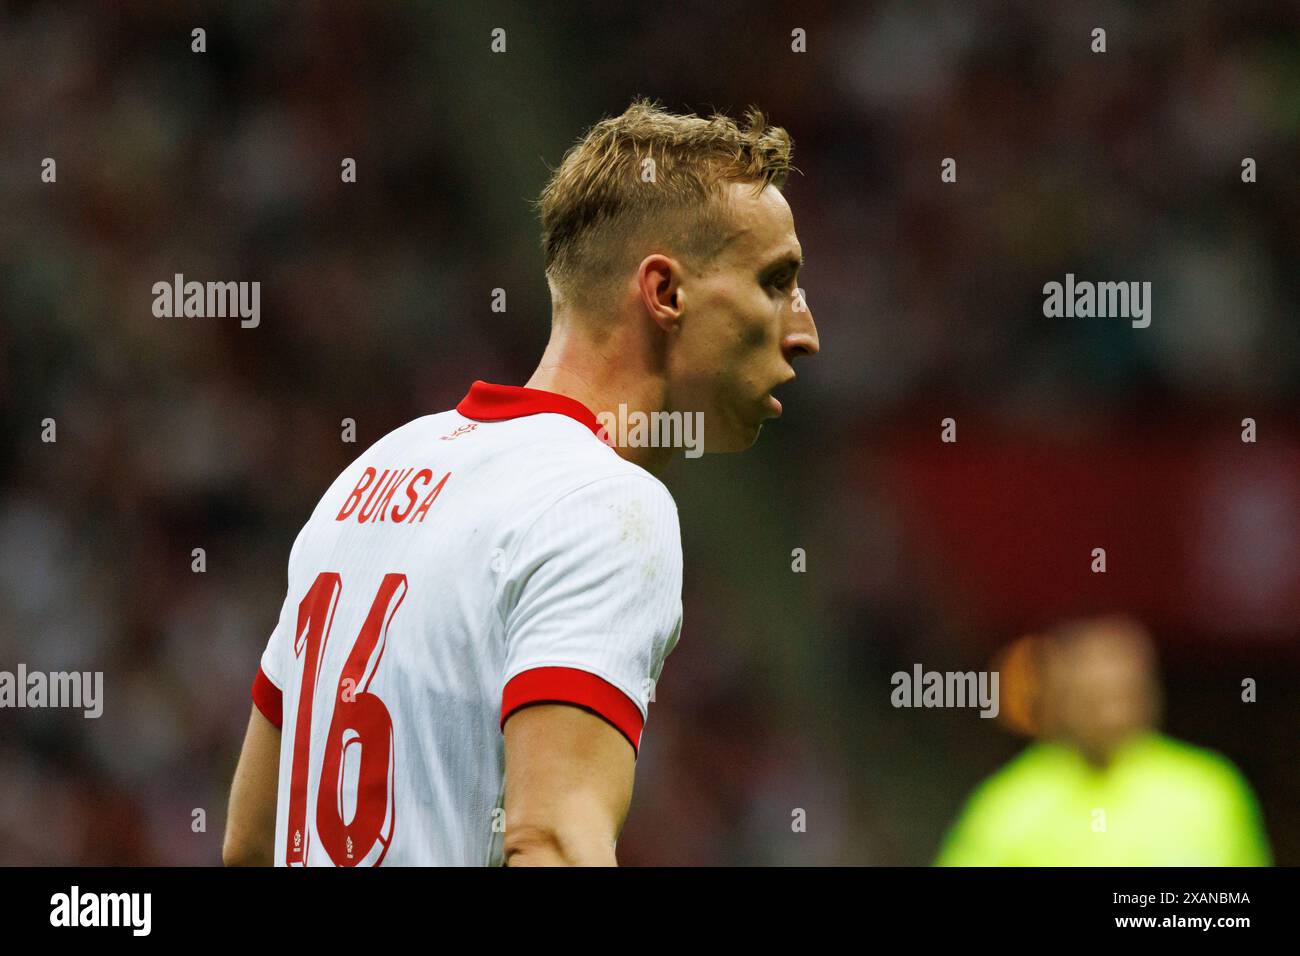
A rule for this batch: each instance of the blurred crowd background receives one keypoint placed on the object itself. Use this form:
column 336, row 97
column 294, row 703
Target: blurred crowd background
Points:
column 174, row 434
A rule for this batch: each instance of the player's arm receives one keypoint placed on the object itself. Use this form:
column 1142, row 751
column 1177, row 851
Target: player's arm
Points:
column 591, row 601
column 568, row 787
column 250, row 820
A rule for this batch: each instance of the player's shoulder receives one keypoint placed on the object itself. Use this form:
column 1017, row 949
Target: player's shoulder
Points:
column 536, row 446
column 413, row 436
column 1041, row 766
column 597, row 469
column 1174, row 758
column 556, row 460
column 594, row 480
column 523, row 466
column 404, row 447
column 419, row 432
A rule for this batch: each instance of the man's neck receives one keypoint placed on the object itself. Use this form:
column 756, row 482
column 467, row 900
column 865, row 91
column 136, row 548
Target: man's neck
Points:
column 603, row 393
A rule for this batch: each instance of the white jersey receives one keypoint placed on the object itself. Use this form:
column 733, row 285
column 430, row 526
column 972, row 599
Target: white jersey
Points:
column 468, row 564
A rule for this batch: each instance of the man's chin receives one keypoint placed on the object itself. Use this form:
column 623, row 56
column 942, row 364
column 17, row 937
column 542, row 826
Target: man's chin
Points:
column 734, row 443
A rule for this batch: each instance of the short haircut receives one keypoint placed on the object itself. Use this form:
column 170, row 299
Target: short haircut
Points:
column 649, row 177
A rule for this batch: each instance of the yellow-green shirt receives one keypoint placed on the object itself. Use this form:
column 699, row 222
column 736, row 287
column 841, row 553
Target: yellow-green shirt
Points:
column 1161, row 802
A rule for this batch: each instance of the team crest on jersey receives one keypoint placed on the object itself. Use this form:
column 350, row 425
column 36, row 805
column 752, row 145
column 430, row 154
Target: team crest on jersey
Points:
column 462, row 430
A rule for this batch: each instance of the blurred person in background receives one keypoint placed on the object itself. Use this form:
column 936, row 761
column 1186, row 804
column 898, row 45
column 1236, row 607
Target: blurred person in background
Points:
column 1102, row 787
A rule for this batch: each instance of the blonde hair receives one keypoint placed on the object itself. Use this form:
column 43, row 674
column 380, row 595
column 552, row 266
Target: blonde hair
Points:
column 652, row 176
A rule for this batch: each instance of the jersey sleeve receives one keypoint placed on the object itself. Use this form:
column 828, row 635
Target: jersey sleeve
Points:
column 268, row 682
column 592, row 602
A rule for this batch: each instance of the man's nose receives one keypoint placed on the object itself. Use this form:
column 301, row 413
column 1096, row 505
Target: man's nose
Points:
column 801, row 338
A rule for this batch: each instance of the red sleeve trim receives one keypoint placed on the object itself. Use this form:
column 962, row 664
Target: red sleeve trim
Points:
column 568, row 685
column 267, row 698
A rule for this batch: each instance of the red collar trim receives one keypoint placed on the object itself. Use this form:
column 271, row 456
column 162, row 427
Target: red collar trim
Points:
column 493, row 403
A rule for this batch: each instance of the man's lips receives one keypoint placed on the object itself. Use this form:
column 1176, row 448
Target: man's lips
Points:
column 772, row 401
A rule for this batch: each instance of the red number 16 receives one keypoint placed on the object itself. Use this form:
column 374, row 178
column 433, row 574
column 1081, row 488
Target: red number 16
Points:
column 360, row 720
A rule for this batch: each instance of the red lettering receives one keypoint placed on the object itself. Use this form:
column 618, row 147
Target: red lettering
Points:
column 424, row 473
column 366, row 478
column 388, row 495
column 367, row 510
column 429, row 500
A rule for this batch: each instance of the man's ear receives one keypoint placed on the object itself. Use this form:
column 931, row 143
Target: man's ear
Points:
column 659, row 282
